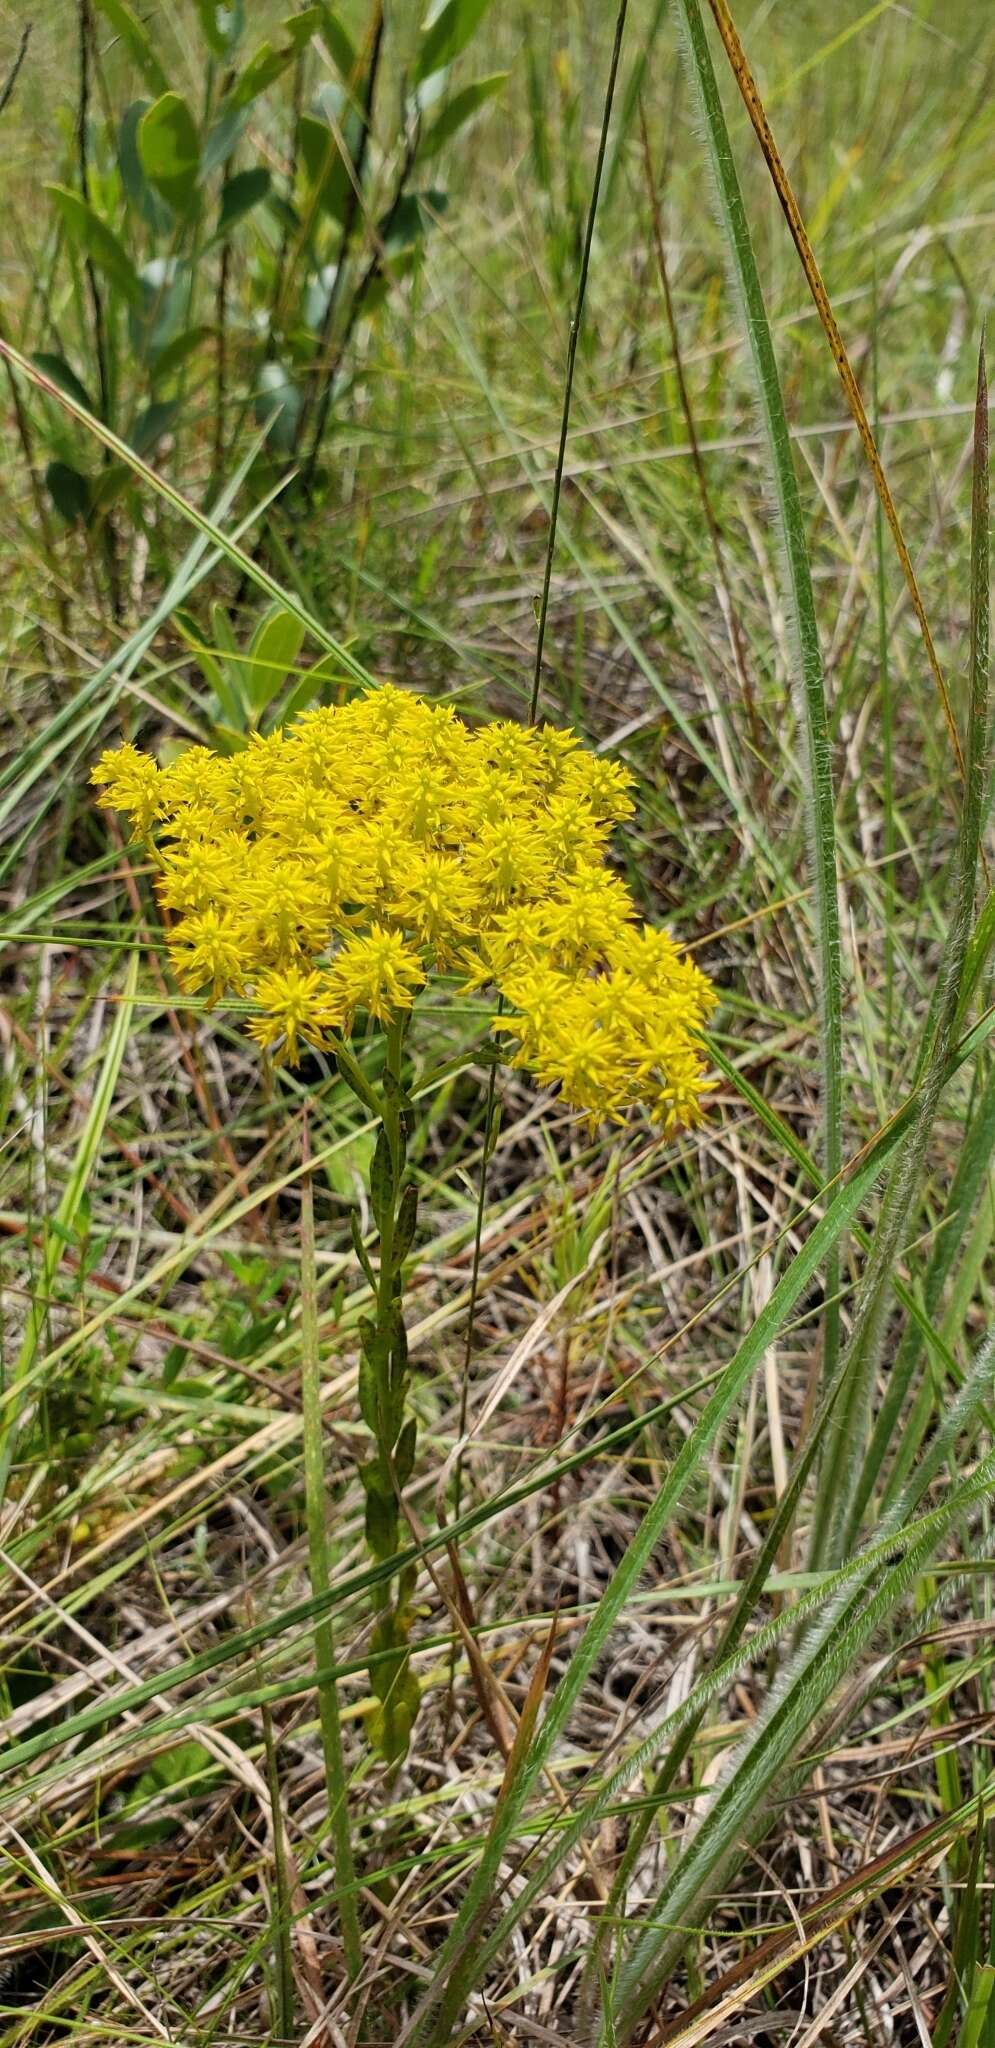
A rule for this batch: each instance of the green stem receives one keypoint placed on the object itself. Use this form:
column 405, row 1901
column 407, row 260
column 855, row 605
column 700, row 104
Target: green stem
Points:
column 336, row 1785
column 383, row 1390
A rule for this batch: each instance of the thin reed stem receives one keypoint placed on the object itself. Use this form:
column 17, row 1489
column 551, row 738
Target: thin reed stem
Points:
column 568, row 386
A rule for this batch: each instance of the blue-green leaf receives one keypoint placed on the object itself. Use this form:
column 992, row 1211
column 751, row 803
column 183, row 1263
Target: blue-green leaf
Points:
column 61, row 374
column 406, row 223
column 70, row 490
column 152, row 423
column 222, row 24
column 241, row 193
column 278, row 406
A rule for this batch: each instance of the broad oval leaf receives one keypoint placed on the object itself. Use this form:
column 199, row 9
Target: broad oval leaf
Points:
column 169, row 150
column 142, row 196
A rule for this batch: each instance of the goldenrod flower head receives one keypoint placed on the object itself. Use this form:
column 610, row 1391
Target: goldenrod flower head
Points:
column 132, row 781
column 378, row 971
column 331, row 868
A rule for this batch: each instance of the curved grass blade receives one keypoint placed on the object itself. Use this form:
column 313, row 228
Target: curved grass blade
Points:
column 811, row 700
column 813, row 278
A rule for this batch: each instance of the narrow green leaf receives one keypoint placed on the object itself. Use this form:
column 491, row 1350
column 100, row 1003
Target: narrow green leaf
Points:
column 458, row 111
column 454, row 1966
column 360, row 1250
column 341, row 48
column 807, row 667
column 268, row 63
column 446, row 33
column 273, row 651
column 738, row 1811
column 137, row 40
column 381, row 1178
column 204, row 524
column 404, row 1229
column 980, row 2005
column 92, row 237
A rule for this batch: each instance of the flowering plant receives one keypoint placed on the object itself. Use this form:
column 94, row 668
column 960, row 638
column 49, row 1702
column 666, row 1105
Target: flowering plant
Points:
column 327, row 871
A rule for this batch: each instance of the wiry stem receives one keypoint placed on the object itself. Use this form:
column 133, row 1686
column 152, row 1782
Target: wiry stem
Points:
column 572, row 358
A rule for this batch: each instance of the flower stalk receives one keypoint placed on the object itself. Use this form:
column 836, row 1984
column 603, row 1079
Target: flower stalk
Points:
column 384, row 1383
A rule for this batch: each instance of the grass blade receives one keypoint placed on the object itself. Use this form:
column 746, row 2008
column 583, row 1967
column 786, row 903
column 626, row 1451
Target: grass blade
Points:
column 848, row 1454
column 811, row 692
column 813, row 277
column 59, row 1230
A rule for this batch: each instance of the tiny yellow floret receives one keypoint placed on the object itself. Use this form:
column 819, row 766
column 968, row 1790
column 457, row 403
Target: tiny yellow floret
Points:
column 328, row 870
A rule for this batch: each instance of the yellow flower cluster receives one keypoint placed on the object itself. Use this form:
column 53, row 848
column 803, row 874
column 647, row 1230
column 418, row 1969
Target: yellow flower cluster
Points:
column 330, row 868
